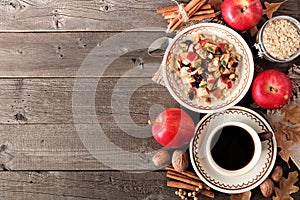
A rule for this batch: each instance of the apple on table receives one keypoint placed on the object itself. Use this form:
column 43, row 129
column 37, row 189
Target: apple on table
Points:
column 173, row 128
column 271, row 89
column 242, row 14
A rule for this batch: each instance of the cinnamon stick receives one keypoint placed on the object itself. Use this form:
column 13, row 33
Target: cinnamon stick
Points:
column 204, row 12
column 188, row 174
column 202, row 17
column 175, row 22
column 187, row 180
column 169, row 15
column 168, row 9
column 172, row 9
column 190, row 8
column 207, row 193
column 206, row 6
column 177, row 184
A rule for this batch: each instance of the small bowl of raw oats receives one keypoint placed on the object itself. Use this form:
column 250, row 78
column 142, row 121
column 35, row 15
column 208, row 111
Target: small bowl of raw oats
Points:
column 278, row 40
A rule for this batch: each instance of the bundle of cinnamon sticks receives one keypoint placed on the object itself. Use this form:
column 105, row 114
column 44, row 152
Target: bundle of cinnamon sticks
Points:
column 187, row 181
column 194, row 10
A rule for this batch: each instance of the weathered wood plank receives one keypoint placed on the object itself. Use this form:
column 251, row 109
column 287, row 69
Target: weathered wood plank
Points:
column 90, row 15
column 39, row 121
column 62, row 54
column 49, row 101
column 58, row 185
column 59, row 147
column 84, row 185
column 93, row 15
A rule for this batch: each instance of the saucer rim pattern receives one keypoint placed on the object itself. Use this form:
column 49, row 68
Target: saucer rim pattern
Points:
column 244, row 185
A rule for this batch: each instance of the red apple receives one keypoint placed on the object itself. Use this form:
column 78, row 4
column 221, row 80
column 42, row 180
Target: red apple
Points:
column 242, row 14
column 173, row 128
column 271, row 89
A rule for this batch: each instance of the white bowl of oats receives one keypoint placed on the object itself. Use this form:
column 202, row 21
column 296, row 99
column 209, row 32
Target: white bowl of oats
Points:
column 279, row 39
column 208, row 68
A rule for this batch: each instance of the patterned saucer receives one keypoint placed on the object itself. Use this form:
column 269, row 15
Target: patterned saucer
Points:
column 232, row 184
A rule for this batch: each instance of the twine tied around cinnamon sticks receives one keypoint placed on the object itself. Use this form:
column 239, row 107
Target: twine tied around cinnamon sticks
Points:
column 181, row 13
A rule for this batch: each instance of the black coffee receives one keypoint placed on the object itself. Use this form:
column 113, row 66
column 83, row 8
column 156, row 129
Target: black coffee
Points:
column 234, row 148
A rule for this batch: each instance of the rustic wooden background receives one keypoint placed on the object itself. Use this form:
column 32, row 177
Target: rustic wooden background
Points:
column 42, row 45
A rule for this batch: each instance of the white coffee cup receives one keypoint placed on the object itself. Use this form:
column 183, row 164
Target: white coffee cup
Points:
column 215, row 135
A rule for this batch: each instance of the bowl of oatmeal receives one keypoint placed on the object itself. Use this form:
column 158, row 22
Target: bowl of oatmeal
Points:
column 278, row 40
column 208, row 68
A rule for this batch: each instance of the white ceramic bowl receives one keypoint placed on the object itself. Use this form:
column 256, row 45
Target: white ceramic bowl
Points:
column 246, row 68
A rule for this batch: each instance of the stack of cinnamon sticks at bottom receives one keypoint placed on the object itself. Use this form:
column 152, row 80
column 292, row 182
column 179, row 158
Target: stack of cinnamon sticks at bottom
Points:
column 194, row 10
column 187, row 181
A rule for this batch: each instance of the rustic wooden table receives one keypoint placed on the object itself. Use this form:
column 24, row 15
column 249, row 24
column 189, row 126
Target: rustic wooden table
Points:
column 57, row 59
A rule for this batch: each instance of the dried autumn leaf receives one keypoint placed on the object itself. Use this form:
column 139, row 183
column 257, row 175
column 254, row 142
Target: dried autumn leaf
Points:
column 291, row 113
column 241, row 196
column 253, row 31
column 286, row 187
column 293, row 132
column 216, row 4
column 271, row 8
column 282, row 142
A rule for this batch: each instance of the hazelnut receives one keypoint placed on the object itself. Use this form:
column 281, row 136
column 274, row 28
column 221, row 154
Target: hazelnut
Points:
column 161, row 158
column 180, row 160
column 267, row 187
column 277, row 174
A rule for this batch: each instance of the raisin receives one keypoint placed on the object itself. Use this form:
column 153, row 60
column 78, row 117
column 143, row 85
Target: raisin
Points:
column 234, row 65
column 198, row 78
column 195, row 84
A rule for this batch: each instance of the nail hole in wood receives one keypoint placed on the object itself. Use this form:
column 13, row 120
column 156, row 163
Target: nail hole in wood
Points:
column 3, row 148
column 20, row 117
column 105, row 8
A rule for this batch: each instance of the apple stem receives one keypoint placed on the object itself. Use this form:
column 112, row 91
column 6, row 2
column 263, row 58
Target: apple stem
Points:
column 154, row 122
column 272, row 89
column 244, row 9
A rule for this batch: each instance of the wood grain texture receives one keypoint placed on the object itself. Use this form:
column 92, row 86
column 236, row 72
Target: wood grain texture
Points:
column 103, row 185
column 44, row 45
column 92, row 15
column 59, row 147
column 49, row 101
column 89, row 15
column 38, row 120
column 83, row 185
column 62, row 54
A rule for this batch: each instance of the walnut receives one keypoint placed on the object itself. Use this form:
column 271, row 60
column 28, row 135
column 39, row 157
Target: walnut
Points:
column 277, row 173
column 161, row 158
column 180, row 160
column 267, row 187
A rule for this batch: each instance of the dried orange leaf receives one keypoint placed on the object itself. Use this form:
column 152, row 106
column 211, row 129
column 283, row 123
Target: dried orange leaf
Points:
column 291, row 113
column 216, row 4
column 282, row 142
column 293, row 132
column 271, row 8
column 286, row 187
column 241, row 196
